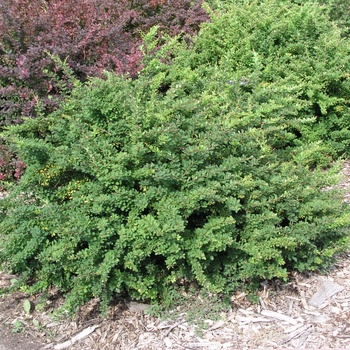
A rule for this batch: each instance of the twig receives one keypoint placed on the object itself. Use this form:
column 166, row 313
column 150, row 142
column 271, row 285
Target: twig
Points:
column 173, row 326
column 279, row 316
column 297, row 333
column 83, row 334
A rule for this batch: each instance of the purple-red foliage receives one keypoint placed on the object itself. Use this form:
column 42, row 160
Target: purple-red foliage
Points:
column 91, row 35
column 11, row 167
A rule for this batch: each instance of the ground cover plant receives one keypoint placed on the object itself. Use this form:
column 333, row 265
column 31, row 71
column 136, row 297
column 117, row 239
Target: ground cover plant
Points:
column 208, row 167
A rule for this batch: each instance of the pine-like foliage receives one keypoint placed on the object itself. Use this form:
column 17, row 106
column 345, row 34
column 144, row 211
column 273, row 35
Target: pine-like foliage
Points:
column 193, row 171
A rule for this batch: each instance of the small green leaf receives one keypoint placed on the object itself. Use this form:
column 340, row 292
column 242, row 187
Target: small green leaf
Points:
column 28, row 307
column 17, row 326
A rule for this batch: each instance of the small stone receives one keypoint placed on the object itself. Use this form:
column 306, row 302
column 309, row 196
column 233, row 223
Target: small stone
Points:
column 138, row 307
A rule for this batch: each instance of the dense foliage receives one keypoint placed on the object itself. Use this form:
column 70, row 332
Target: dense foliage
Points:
column 339, row 11
column 198, row 170
column 88, row 35
column 11, row 166
column 301, row 55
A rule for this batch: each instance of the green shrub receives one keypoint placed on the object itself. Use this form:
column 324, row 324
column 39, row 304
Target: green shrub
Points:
column 192, row 172
column 294, row 57
column 339, row 11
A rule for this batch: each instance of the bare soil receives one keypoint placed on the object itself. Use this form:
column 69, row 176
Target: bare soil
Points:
column 312, row 311
column 10, row 341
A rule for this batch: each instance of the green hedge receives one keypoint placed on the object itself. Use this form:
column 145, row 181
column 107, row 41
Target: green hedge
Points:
column 197, row 170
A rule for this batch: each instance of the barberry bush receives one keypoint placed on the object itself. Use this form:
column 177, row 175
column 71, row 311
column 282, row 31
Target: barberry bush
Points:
column 90, row 35
column 339, row 11
column 11, row 167
column 305, row 54
column 197, row 170
column 37, row 36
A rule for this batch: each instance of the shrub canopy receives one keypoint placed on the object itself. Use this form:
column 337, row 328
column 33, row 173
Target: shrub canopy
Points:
column 197, row 170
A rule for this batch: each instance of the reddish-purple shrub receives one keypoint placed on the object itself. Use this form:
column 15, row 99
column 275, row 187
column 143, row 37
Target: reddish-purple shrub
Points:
column 91, row 35
column 11, row 167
